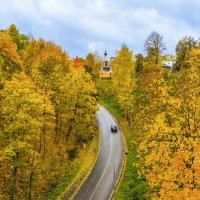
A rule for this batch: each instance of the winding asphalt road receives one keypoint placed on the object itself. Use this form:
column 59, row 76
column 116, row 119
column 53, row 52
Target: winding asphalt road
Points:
column 101, row 182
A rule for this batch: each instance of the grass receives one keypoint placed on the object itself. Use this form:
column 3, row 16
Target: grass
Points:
column 132, row 186
column 75, row 174
column 66, row 179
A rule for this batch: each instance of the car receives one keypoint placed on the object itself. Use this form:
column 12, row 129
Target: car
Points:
column 113, row 128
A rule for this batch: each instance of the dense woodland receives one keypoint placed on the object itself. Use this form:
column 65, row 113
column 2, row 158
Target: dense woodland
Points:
column 162, row 108
column 47, row 113
column 48, row 104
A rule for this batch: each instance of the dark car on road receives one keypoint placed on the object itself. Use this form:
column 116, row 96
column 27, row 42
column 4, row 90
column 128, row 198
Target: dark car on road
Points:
column 113, row 128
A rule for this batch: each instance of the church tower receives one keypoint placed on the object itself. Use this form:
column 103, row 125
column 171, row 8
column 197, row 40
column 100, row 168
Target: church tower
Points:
column 106, row 70
column 105, row 61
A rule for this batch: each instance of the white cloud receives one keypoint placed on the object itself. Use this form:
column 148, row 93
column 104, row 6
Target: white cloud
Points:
column 94, row 46
column 98, row 25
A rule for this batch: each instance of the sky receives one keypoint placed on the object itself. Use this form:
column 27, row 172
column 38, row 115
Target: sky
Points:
column 83, row 26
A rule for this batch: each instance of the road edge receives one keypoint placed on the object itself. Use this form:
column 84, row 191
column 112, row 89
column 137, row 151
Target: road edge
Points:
column 92, row 166
column 99, row 141
column 122, row 171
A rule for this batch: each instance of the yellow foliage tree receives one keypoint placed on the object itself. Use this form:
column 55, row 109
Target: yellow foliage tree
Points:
column 9, row 57
column 124, row 79
column 169, row 149
column 22, row 109
column 82, row 105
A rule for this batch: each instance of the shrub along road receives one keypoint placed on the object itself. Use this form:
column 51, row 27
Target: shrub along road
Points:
column 102, row 179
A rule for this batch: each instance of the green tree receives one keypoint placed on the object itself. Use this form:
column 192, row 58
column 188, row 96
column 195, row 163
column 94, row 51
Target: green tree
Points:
column 183, row 48
column 139, row 63
column 93, row 65
column 20, row 40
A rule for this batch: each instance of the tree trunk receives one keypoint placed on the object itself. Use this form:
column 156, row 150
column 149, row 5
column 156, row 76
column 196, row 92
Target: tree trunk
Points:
column 44, row 139
column 60, row 128
column 30, row 185
column 40, row 145
column 56, row 127
column 14, row 190
column 44, row 128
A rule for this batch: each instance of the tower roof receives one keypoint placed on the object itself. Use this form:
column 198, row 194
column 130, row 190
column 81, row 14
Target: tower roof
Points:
column 105, row 54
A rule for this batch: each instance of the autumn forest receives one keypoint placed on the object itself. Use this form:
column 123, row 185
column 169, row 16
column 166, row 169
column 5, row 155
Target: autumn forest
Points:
column 48, row 104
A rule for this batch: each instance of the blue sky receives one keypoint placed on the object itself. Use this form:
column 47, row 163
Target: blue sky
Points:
column 83, row 26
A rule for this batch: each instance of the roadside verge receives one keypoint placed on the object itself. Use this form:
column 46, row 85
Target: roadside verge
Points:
column 88, row 164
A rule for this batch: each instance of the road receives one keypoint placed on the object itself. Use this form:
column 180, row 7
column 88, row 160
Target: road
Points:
column 102, row 179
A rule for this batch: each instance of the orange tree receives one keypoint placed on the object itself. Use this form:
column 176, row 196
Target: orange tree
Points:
column 169, row 146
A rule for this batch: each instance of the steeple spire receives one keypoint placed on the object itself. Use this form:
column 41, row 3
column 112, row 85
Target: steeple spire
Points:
column 105, row 57
column 105, row 60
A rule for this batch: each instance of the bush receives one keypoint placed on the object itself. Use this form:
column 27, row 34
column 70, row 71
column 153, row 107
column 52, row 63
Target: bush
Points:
column 72, row 153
